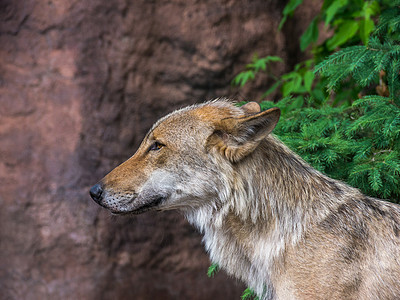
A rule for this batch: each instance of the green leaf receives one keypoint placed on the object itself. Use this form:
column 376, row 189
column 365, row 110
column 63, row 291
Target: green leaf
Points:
column 261, row 63
column 345, row 32
column 366, row 27
column 274, row 58
column 310, row 35
column 272, row 89
column 289, row 10
column 243, row 77
column 373, row 8
column 369, row 9
column 292, row 84
column 283, row 21
column 333, row 9
column 308, row 80
column 291, row 7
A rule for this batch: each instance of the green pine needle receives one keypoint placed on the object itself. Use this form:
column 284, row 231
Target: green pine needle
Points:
column 212, row 270
column 249, row 294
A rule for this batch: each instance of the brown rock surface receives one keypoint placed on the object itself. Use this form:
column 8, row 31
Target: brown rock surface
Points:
column 80, row 84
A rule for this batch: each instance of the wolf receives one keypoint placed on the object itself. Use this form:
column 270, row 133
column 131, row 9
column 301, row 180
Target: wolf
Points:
column 266, row 216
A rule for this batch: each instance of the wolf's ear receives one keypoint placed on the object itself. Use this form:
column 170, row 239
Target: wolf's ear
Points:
column 235, row 138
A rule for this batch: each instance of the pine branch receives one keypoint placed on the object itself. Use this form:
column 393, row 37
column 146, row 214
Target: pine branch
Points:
column 249, row 294
column 212, row 270
column 393, row 79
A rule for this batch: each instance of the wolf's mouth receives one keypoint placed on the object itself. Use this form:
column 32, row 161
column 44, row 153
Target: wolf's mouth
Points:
column 146, row 207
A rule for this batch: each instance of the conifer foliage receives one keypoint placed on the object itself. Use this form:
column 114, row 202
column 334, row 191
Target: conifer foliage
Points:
column 350, row 130
column 360, row 143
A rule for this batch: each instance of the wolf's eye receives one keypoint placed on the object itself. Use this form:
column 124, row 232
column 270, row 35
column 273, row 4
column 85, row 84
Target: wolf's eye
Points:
column 156, row 146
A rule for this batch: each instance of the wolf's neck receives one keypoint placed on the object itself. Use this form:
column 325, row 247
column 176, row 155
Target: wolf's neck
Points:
column 274, row 186
column 274, row 198
column 284, row 188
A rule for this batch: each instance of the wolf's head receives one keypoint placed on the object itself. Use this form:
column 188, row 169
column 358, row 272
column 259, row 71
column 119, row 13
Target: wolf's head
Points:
column 186, row 158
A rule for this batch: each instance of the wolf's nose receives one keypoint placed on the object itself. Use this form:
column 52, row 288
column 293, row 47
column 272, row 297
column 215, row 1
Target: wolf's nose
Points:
column 95, row 192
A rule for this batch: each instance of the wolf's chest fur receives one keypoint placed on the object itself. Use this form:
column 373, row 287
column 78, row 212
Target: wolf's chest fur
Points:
column 242, row 254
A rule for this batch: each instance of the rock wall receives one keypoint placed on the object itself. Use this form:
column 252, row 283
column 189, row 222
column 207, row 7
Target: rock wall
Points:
column 80, row 84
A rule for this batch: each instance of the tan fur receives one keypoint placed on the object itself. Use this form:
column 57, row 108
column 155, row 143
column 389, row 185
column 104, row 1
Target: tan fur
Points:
column 267, row 217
